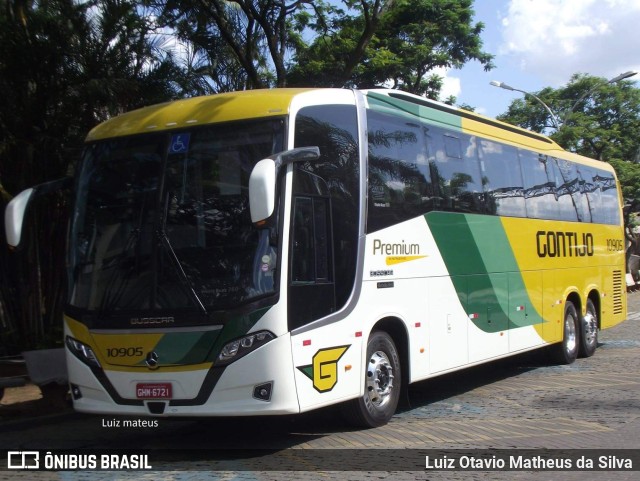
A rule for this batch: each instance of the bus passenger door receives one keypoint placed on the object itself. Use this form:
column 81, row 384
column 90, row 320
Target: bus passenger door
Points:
column 311, row 285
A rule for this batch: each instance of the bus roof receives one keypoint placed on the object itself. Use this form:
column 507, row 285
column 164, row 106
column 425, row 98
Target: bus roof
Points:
column 472, row 123
column 203, row 110
column 253, row 104
column 463, row 120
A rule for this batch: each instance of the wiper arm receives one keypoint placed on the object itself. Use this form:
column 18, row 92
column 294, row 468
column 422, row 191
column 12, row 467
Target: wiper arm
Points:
column 109, row 299
column 177, row 265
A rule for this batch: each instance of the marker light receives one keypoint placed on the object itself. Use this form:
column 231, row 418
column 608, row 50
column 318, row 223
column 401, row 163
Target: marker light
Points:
column 234, row 350
column 82, row 352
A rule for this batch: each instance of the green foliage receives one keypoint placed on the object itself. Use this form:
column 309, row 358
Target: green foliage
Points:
column 597, row 119
column 266, row 43
column 629, row 176
column 66, row 66
column 397, row 42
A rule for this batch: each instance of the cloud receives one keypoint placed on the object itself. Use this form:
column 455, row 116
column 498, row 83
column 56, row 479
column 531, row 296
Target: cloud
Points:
column 557, row 38
column 450, row 85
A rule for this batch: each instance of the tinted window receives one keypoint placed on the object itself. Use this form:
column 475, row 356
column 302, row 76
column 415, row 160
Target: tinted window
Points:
column 502, row 178
column 399, row 183
column 455, row 170
column 162, row 222
column 539, row 185
column 567, row 190
column 591, row 192
column 610, row 212
column 310, row 243
column 334, row 129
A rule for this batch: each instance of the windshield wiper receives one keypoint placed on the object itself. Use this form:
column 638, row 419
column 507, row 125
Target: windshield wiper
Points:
column 175, row 261
column 109, row 298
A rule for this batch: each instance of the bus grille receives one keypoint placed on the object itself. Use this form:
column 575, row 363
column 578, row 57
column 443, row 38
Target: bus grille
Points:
column 618, row 308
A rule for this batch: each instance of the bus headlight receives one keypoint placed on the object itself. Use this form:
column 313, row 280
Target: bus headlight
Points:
column 234, row 350
column 82, row 352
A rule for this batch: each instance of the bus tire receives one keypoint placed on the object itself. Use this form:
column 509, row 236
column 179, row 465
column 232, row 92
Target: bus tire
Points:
column 589, row 331
column 382, row 384
column 566, row 351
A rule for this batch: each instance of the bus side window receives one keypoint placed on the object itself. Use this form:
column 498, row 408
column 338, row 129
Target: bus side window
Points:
column 591, row 192
column 567, row 190
column 609, row 198
column 539, row 185
column 454, row 163
column 399, row 180
column 501, row 179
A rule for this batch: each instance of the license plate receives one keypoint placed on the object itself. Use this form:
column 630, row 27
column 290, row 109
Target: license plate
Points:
column 156, row 390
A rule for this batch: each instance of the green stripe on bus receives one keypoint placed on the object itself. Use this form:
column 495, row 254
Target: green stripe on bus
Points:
column 234, row 329
column 185, row 347
column 412, row 111
column 483, row 269
column 182, row 348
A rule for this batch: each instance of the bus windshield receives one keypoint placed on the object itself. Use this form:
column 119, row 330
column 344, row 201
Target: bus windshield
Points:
column 162, row 222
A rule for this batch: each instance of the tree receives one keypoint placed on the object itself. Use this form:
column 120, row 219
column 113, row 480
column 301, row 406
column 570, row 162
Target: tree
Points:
column 66, row 66
column 603, row 125
column 392, row 42
column 267, row 43
column 245, row 42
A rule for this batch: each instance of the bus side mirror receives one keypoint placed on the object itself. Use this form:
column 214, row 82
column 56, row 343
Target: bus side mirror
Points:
column 262, row 190
column 16, row 210
column 262, row 182
column 14, row 217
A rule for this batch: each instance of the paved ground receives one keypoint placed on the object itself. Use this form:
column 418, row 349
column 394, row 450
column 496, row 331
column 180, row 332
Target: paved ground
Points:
column 516, row 404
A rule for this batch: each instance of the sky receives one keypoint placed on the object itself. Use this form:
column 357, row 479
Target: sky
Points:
column 542, row 43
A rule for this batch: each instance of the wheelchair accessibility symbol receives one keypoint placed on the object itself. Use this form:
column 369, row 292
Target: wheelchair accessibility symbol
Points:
column 179, row 143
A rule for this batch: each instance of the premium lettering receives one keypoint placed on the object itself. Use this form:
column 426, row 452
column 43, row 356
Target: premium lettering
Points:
column 564, row 244
column 398, row 249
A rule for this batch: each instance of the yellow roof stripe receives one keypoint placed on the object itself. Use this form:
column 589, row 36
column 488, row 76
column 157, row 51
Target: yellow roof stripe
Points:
column 509, row 133
column 225, row 107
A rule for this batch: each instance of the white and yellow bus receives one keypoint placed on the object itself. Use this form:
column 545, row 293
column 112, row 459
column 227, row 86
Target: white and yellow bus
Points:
column 277, row 251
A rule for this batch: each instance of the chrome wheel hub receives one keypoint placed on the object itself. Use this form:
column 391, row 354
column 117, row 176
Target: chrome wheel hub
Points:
column 379, row 379
column 590, row 329
column 570, row 332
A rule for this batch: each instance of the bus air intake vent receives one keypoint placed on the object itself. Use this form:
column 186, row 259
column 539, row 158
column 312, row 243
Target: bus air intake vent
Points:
column 618, row 308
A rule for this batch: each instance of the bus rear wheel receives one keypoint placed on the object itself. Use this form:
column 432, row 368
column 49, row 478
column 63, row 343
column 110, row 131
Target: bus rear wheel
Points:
column 381, row 386
column 567, row 351
column 589, row 331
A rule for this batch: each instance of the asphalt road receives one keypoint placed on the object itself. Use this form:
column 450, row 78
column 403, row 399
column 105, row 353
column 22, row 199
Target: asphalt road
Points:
column 517, row 404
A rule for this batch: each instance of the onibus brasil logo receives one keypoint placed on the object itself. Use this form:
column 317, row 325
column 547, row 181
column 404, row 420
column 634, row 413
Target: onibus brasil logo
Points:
column 324, row 369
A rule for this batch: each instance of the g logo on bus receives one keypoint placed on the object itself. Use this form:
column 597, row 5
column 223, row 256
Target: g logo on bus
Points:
column 324, row 370
column 152, row 360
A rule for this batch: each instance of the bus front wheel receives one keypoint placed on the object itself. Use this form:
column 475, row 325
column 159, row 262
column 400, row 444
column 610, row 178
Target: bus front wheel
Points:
column 381, row 385
column 567, row 351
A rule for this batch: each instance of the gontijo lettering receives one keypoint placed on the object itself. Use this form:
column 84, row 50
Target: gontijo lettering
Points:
column 564, row 244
